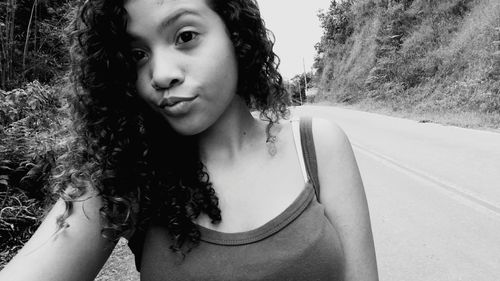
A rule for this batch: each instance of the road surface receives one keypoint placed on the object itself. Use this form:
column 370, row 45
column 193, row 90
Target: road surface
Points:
column 433, row 193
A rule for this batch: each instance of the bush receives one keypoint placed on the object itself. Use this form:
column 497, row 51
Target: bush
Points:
column 32, row 123
column 440, row 55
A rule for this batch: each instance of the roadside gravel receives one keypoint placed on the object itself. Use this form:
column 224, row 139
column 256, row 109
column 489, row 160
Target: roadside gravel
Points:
column 120, row 265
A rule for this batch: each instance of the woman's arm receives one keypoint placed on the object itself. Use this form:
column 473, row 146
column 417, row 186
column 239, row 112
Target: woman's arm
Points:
column 343, row 196
column 75, row 253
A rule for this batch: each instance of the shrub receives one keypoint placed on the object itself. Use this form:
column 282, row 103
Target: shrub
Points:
column 443, row 56
column 32, row 121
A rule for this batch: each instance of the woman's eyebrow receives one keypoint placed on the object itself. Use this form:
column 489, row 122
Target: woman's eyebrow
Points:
column 172, row 18
column 168, row 21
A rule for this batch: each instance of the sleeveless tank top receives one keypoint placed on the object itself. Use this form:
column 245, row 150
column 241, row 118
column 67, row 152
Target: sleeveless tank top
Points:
column 299, row 244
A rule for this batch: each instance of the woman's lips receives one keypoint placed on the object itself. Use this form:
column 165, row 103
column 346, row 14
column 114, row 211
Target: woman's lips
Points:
column 177, row 106
column 171, row 101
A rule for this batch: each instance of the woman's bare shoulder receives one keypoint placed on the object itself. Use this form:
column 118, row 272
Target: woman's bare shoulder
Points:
column 337, row 168
column 343, row 195
column 329, row 137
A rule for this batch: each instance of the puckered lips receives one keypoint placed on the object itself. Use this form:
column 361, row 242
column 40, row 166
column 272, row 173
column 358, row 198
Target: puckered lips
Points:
column 171, row 101
column 177, row 106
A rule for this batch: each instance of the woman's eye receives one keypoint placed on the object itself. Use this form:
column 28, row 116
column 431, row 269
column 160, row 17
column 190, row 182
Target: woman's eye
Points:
column 186, row 37
column 138, row 55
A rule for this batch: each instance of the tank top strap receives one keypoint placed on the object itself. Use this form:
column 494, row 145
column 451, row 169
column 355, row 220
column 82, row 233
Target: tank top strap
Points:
column 298, row 149
column 306, row 151
column 309, row 152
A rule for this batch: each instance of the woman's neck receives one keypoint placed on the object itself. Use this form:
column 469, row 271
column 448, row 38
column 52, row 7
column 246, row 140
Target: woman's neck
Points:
column 235, row 131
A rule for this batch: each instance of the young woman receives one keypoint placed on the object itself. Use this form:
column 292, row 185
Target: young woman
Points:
column 168, row 155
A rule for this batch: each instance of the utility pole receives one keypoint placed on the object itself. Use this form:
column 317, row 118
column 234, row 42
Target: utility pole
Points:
column 300, row 93
column 305, row 80
column 290, row 90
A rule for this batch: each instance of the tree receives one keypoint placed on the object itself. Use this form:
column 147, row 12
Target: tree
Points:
column 297, row 87
column 7, row 19
column 32, row 45
column 338, row 25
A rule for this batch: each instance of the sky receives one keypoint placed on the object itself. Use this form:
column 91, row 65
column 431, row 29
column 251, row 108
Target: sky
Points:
column 296, row 26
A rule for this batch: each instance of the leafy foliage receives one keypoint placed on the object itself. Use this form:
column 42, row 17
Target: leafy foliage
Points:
column 32, row 120
column 32, row 116
column 338, row 26
column 297, row 87
column 416, row 55
column 32, row 42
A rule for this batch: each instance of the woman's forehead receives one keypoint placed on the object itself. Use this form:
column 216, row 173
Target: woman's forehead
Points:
column 158, row 14
column 131, row 4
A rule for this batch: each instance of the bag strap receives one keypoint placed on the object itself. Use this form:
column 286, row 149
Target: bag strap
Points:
column 309, row 152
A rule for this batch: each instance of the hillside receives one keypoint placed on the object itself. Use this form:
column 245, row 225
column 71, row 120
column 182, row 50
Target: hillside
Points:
column 437, row 58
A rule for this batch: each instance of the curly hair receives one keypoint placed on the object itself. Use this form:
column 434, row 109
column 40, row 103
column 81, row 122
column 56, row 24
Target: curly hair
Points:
column 117, row 150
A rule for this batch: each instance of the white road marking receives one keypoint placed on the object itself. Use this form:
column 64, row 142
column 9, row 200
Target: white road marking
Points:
column 452, row 190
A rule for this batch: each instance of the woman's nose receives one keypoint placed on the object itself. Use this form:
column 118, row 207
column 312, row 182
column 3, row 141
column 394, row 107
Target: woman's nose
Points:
column 166, row 71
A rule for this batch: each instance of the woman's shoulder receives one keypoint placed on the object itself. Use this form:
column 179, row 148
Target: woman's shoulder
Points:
column 329, row 139
column 343, row 195
column 337, row 168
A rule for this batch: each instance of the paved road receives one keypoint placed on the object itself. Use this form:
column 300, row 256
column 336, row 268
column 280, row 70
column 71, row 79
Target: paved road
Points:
column 434, row 195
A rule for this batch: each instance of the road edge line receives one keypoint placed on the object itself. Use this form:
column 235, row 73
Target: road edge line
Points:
column 438, row 182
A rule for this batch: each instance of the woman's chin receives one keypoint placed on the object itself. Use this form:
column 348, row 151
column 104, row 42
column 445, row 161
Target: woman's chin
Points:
column 187, row 127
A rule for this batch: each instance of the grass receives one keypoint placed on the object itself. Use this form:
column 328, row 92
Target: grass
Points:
column 18, row 221
column 464, row 119
column 438, row 61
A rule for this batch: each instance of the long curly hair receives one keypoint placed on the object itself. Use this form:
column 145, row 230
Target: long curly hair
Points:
column 117, row 151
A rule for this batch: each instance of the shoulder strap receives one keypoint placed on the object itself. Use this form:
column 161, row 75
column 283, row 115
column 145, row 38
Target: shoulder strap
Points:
column 298, row 148
column 309, row 152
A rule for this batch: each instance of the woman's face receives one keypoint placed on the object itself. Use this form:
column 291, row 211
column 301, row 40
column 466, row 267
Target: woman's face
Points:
column 186, row 64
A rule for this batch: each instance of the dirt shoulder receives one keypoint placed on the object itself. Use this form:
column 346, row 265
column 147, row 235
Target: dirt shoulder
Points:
column 120, row 265
column 471, row 120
